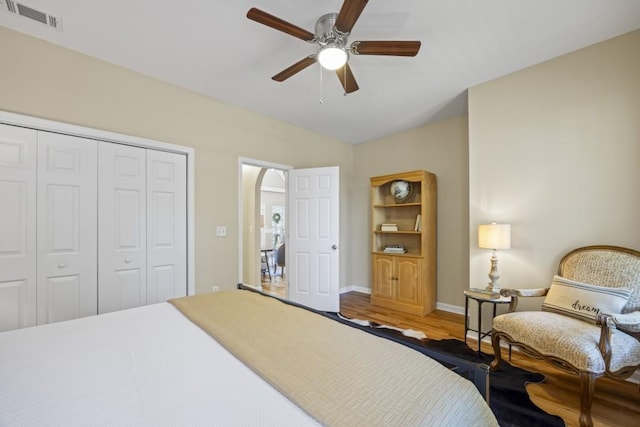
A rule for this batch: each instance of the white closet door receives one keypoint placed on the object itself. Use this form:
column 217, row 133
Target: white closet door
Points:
column 166, row 226
column 67, row 227
column 122, row 234
column 17, row 227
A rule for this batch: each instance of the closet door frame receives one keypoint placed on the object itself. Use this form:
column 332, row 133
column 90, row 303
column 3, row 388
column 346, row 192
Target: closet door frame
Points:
column 101, row 135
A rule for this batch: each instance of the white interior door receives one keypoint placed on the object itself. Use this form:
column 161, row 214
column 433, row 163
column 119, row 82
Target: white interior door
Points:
column 67, row 227
column 312, row 250
column 17, row 227
column 122, row 233
column 166, row 226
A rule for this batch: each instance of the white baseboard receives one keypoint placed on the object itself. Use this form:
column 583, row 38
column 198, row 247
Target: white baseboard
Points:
column 450, row 308
column 361, row 289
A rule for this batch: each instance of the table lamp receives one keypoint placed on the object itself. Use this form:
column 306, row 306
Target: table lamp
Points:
column 494, row 236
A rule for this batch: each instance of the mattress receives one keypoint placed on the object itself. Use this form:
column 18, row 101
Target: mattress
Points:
column 148, row 366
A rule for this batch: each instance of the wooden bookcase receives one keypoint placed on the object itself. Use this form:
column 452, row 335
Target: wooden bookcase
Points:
column 404, row 281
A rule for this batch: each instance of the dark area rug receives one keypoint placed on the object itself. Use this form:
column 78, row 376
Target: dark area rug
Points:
column 508, row 397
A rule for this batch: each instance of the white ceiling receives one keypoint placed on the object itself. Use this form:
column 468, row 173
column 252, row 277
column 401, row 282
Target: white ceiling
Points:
column 210, row 47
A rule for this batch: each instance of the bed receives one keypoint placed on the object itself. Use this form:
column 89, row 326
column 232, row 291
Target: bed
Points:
column 234, row 358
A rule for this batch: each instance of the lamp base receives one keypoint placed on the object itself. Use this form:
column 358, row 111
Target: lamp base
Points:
column 494, row 284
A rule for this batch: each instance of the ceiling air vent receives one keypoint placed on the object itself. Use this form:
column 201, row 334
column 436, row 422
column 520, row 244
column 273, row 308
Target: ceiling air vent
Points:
column 32, row 13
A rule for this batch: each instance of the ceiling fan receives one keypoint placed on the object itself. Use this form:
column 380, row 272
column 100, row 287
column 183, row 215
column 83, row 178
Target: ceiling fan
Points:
column 331, row 34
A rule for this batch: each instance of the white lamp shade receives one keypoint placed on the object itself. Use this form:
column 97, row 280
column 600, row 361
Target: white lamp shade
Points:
column 494, row 236
column 332, row 57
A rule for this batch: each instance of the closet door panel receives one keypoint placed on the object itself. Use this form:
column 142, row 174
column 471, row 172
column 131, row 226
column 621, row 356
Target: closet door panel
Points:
column 67, row 227
column 16, row 311
column 17, row 227
column 63, row 298
column 122, row 236
column 166, row 226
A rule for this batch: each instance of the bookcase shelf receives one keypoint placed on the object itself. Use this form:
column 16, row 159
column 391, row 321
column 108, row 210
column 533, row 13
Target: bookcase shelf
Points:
column 397, row 232
column 398, row 205
column 404, row 281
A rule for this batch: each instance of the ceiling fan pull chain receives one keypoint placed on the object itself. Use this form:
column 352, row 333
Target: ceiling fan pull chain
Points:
column 321, row 95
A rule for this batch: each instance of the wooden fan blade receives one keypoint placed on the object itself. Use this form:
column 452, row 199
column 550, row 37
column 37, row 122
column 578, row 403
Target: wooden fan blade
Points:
column 295, row 68
column 346, row 78
column 274, row 22
column 349, row 14
column 394, row 48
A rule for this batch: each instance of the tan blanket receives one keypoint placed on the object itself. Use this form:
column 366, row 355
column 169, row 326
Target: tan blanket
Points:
column 339, row 375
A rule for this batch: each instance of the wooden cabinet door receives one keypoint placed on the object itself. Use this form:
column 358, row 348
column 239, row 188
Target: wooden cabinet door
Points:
column 383, row 283
column 409, row 282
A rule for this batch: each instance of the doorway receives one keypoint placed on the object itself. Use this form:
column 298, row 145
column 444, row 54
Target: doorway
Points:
column 312, row 198
column 264, row 226
column 273, row 230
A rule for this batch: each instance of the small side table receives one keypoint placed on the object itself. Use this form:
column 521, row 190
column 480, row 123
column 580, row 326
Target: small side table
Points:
column 480, row 300
column 265, row 254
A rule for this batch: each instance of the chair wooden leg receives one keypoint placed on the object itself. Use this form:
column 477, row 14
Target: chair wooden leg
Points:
column 587, row 388
column 495, row 343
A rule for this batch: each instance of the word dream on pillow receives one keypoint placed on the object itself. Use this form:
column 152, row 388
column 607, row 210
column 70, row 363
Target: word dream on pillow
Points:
column 582, row 300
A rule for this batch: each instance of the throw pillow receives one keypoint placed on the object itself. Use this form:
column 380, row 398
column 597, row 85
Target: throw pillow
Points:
column 582, row 300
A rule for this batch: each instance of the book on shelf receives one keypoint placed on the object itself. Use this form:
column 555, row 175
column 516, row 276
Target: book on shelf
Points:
column 418, row 224
column 484, row 293
column 394, row 249
column 388, row 227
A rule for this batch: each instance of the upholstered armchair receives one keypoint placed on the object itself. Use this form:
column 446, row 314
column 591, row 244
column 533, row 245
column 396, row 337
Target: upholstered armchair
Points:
column 280, row 258
column 590, row 319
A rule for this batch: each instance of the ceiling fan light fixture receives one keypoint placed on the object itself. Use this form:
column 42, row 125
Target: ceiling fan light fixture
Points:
column 332, row 33
column 332, row 56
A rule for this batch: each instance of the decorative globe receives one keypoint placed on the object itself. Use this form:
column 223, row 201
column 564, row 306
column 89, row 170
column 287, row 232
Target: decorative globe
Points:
column 400, row 190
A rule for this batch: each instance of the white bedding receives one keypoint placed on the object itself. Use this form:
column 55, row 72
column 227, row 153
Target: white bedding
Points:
column 156, row 369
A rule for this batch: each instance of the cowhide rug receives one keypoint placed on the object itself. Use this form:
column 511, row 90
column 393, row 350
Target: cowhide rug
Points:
column 409, row 333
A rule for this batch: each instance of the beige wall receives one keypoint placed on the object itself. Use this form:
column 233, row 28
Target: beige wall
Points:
column 440, row 148
column 43, row 80
column 555, row 150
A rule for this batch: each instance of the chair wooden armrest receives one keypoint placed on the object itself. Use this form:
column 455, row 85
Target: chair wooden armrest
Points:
column 524, row 293
column 605, row 321
column 628, row 323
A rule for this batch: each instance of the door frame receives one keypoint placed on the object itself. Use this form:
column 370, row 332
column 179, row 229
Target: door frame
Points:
column 257, row 163
column 101, row 135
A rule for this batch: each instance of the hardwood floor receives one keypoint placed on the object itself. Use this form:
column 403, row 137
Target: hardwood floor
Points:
column 615, row 403
column 276, row 285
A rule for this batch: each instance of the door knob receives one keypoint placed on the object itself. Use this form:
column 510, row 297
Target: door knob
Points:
column 334, row 247
column 62, row 265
